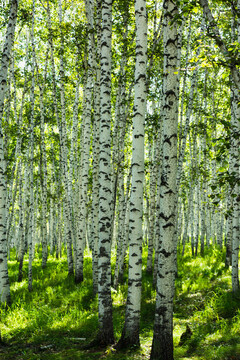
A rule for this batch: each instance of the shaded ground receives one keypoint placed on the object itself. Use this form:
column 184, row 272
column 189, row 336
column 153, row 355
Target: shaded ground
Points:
column 59, row 317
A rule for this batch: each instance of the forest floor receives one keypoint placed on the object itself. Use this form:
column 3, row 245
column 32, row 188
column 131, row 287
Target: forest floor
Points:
column 58, row 317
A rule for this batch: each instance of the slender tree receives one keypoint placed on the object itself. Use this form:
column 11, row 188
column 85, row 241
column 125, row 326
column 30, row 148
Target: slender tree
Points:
column 31, row 153
column 130, row 334
column 95, row 151
column 86, row 132
column 6, row 54
column 162, row 347
column 105, row 335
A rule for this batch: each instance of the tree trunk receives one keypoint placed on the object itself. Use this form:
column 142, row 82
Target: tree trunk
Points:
column 105, row 335
column 130, row 334
column 234, row 172
column 83, row 197
column 6, row 53
column 31, row 156
column 162, row 346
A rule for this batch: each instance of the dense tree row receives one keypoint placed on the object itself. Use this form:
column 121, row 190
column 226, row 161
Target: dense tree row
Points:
column 119, row 124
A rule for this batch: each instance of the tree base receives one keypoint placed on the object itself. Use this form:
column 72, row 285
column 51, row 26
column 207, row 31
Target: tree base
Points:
column 127, row 342
column 100, row 342
column 162, row 349
column 77, row 279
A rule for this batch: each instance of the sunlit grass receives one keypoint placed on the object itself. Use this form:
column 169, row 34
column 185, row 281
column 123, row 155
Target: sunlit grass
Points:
column 62, row 316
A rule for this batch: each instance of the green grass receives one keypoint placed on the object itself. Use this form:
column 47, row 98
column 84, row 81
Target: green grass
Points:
column 52, row 321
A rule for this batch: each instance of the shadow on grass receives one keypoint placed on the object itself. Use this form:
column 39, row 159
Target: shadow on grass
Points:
column 58, row 317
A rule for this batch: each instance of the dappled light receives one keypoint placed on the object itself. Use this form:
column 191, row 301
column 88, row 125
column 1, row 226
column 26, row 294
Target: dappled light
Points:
column 59, row 317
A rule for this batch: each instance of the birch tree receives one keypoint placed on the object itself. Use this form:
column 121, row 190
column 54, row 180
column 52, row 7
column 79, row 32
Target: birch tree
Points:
column 105, row 335
column 63, row 171
column 6, row 54
column 234, row 172
column 31, row 153
column 130, row 334
column 95, row 150
column 68, row 223
column 162, row 346
column 44, row 166
column 85, row 148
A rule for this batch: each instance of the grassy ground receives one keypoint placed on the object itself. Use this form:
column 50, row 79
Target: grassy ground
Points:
column 57, row 318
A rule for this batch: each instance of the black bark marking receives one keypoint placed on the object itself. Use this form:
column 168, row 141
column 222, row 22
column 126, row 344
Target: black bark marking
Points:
column 165, row 253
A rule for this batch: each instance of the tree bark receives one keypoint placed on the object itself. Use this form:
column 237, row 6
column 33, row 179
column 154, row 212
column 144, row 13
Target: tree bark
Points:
column 130, row 334
column 105, row 335
column 162, row 346
column 6, row 53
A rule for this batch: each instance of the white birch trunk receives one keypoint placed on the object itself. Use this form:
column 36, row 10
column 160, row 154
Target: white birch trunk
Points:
column 95, row 151
column 152, row 205
column 83, row 198
column 73, row 165
column 229, row 229
column 159, row 158
column 95, row 170
column 130, row 334
column 31, row 155
column 196, row 219
column 44, row 217
column 119, row 152
column 184, row 84
column 6, row 53
column 204, row 182
column 234, row 172
column 62, row 132
column 21, row 237
column 105, row 335
column 125, row 230
column 191, row 195
column 162, row 347
column 186, row 209
column 68, row 224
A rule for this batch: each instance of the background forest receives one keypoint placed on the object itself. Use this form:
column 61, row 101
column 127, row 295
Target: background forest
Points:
column 119, row 179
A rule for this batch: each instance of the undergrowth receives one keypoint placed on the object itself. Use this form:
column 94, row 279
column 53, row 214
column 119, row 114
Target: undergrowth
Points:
column 58, row 317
